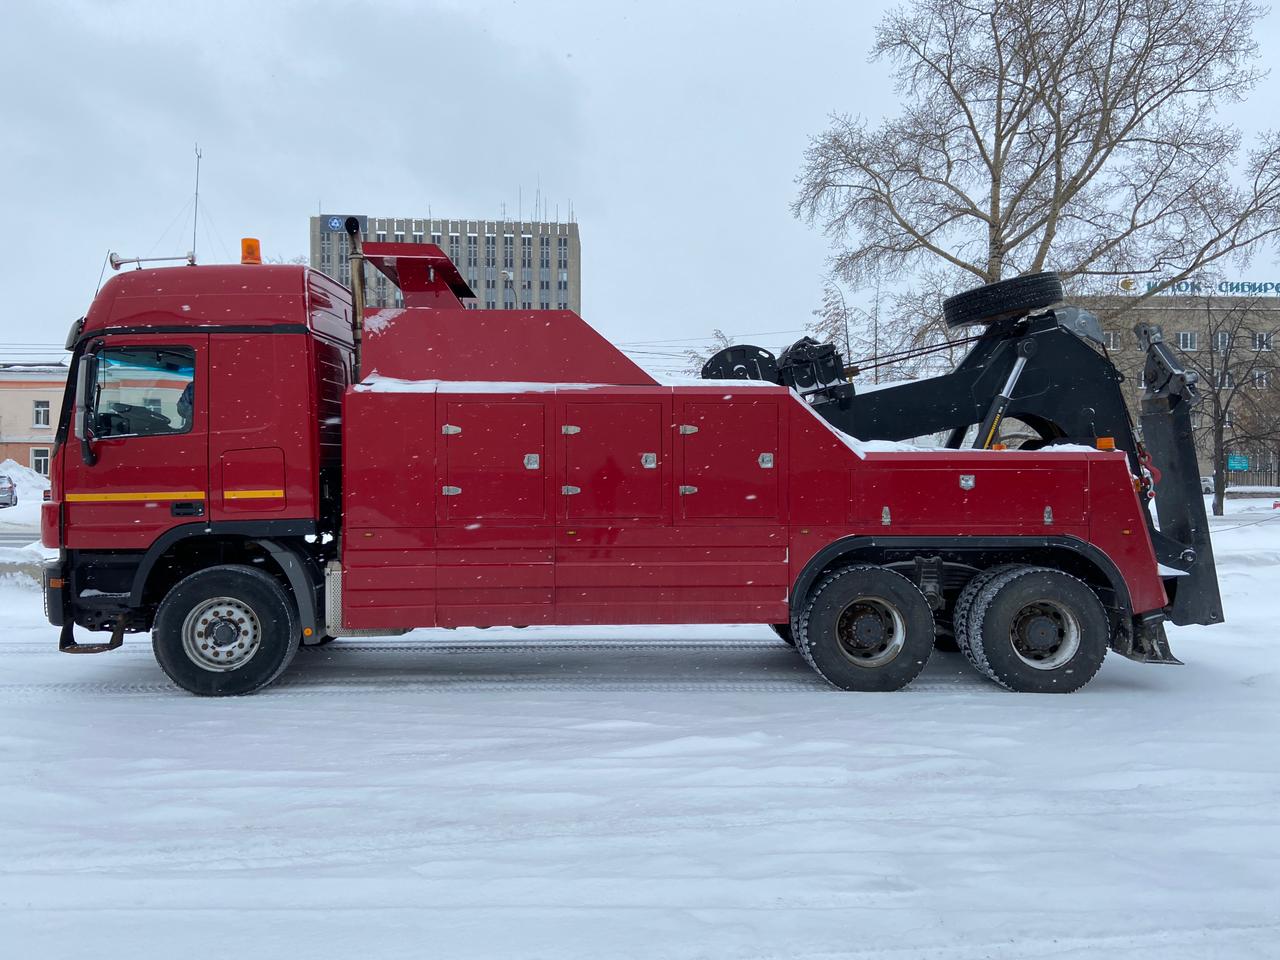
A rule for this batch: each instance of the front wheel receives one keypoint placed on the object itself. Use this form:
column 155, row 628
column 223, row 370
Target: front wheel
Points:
column 225, row 631
column 866, row 628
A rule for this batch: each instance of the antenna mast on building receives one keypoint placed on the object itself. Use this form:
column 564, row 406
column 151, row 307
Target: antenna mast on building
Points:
column 195, row 216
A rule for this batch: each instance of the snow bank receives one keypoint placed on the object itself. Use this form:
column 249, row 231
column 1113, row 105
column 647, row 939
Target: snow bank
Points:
column 31, row 485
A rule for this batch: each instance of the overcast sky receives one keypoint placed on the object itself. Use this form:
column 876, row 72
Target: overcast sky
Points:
column 676, row 130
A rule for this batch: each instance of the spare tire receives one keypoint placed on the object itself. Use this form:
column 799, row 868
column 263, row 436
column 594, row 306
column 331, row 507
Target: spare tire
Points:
column 1008, row 298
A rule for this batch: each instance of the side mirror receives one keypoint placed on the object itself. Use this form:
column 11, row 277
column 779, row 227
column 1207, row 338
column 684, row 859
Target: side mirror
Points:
column 86, row 380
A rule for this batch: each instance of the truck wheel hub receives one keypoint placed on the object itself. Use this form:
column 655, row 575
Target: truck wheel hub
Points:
column 221, row 634
column 870, row 631
column 1045, row 635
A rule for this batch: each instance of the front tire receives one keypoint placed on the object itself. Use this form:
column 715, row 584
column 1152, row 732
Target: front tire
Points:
column 1037, row 630
column 866, row 628
column 225, row 631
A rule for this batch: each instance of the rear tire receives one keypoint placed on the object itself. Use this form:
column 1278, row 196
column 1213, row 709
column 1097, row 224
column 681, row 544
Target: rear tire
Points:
column 997, row 301
column 866, row 628
column 964, row 604
column 783, row 630
column 1036, row 630
column 225, row 631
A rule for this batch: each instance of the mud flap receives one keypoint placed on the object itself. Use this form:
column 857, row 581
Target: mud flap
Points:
column 1182, row 541
column 1145, row 641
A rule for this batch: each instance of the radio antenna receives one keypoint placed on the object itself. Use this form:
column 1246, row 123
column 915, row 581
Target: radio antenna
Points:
column 195, row 216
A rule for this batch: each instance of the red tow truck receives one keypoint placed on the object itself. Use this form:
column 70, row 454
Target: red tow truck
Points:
column 246, row 461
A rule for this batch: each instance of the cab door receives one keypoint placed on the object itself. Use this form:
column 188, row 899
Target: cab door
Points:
column 148, row 438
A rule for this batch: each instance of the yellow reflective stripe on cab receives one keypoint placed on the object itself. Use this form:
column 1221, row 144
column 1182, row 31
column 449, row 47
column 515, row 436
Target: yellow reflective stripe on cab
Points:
column 135, row 497
column 253, row 494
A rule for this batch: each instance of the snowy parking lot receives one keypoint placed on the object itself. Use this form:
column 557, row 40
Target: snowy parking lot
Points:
column 660, row 792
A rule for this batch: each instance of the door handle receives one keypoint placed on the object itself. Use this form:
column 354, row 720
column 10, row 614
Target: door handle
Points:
column 187, row 508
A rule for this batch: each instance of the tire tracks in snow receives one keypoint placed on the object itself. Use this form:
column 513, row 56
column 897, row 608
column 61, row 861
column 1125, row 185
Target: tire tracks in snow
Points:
column 396, row 667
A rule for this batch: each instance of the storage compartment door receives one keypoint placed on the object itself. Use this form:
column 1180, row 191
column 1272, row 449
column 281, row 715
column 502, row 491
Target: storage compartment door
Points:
column 730, row 460
column 495, row 461
column 614, row 460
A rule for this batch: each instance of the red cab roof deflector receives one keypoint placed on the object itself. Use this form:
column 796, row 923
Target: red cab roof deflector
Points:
column 425, row 275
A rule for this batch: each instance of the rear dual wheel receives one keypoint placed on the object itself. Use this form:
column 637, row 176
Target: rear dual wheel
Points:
column 1032, row 629
column 866, row 628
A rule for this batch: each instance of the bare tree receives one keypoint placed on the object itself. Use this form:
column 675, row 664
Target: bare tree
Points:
column 694, row 359
column 874, row 338
column 1075, row 135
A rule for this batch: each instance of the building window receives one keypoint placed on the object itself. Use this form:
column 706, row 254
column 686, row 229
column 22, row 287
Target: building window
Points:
column 382, row 238
column 1261, row 342
column 399, row 238
column 1111, row 339
column 40, row 460
column 491, row 305
column 1226, row 380
column 1223, row 341
column 1188, row 340
column 1261, row 379
column 40, row 413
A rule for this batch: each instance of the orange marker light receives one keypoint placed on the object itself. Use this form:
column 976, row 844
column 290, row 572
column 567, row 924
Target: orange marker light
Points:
column 1106, row 443
column 250, row 250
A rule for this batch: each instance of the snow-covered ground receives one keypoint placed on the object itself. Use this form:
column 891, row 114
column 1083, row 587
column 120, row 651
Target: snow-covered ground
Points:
column 676, row 792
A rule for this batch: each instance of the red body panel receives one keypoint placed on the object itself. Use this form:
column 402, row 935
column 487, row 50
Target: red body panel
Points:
column 627, row 546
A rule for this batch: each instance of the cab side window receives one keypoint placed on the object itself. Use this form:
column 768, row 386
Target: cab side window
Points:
column 144, row 391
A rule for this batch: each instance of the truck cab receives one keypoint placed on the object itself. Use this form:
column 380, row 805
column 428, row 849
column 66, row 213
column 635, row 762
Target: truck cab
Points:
column 247, row 462
column 201, row 424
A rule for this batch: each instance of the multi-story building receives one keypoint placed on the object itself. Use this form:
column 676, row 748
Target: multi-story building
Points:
column 511, row 265
column 30, row 400
column 1229, row 342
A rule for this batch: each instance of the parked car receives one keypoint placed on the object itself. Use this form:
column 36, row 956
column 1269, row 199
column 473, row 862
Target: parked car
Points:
column 8, row 492
column 1206, row 484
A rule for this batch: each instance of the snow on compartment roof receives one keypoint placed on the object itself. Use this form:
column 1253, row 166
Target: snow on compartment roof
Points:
column 376, row 383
